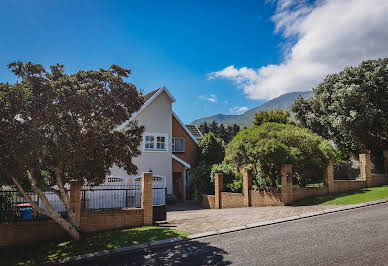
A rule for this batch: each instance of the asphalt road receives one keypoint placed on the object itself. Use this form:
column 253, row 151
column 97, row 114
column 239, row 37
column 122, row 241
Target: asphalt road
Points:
column 354, row 237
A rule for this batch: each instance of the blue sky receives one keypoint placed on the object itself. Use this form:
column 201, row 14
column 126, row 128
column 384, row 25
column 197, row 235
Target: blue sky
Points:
column 214, row 56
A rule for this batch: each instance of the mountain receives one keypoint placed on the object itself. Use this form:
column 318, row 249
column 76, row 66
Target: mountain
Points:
column 284, row 101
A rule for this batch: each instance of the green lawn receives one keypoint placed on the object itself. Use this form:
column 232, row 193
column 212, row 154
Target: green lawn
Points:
column 91, row 243
column 349, row 197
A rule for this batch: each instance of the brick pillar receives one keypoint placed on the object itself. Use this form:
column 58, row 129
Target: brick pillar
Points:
column 75, row 198
column 386, row 162
column 146, row 198
column 218, row 187
column 247, row 186
column 365, row 168
column 329, row 177
column 286, row 181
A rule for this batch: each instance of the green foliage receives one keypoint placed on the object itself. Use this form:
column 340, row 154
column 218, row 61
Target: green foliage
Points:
column 226, row 170
column 51, row 119
column 201, row 179
column 265, row 148
column 236, row 186
column 262, row 182
column 57, row 127
column 350, row 108
column 7, row 208
column 276, row 116
column 225, row 133
column 211, row 149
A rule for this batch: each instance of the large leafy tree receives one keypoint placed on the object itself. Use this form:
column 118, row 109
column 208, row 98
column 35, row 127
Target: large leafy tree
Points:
column 58, row 127
column 265, row 148
column 351, row 108
column 277, row 116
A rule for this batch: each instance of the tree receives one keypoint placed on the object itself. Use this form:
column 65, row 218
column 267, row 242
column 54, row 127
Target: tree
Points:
column 204, row 128
column 222, row 133
column 277, row 116
column 211, row 149
column 265, row 148
column 57, row 127
column 351, row 108
column 213, row 127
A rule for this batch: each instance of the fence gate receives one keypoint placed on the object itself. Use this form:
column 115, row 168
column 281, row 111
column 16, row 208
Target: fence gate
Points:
column 159, row 203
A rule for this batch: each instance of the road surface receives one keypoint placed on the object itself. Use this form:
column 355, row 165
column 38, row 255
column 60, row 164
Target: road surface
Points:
column 354, row 237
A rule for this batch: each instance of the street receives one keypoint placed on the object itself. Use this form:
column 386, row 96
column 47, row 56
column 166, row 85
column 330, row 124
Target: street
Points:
column 354, row 237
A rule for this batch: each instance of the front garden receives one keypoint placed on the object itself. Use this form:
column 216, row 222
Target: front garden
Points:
column 53, row 250
column 345, row 198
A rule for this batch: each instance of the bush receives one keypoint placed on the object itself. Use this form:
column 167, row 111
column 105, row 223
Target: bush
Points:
column 265, row 148
column 236, row 186
column 7, row 210
column 201, row 180
column 232, row 181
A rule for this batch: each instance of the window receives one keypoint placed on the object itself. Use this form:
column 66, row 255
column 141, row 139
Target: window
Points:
column 149, row 142
column 155, row 142
column 178, row 145
column 160, row 143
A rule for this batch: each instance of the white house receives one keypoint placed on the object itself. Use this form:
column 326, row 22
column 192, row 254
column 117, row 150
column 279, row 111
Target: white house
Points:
column 168, row 147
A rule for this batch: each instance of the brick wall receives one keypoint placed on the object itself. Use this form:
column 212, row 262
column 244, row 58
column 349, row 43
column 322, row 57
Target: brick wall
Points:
column 300, row 193
column 347, row 185
column 99, row 220
column 207, row 201
column 27, row 232
column 379, row 179
column 232, row 200
column 265, row 198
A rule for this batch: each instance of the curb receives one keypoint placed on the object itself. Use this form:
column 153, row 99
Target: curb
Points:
column 148, row 245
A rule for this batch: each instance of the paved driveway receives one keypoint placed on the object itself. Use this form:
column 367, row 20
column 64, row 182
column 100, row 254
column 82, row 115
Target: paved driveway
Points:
column 190, row 218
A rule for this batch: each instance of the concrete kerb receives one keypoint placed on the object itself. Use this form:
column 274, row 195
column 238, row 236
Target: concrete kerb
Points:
column 135, row 248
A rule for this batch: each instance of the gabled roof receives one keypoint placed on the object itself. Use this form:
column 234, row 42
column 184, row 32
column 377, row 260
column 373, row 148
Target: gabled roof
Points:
column 149, row 95
column 148, row 98
column 176, row 158
column 195, row 131
column 185, row 128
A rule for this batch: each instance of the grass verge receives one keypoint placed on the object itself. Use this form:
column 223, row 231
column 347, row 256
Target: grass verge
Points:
column 53, row 250
column 345, row 198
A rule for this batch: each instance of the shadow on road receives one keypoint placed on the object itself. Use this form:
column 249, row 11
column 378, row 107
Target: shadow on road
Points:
column 185, row 253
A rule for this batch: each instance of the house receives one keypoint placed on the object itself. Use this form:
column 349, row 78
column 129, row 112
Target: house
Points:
column 168, row 148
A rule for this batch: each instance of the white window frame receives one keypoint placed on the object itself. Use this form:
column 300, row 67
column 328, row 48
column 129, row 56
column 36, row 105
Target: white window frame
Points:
column 173, row 144
column 155, row 135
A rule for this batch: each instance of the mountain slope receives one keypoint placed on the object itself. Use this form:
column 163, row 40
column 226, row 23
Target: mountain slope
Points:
column 284, row 102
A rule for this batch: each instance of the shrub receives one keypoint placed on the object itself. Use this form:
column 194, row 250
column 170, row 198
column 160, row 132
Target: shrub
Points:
column 236, row 186
column 265, row 148
column 201, row 180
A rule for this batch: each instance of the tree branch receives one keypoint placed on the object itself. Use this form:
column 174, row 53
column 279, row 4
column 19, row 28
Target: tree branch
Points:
column 28, row 198
column 65, row 198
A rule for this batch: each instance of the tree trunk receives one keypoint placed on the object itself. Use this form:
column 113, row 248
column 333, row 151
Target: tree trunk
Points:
column 65, row 199
column 72, row 230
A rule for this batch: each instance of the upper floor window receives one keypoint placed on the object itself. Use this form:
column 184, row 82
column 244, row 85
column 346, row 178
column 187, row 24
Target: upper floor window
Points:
column 155, row 142
column 178, row 144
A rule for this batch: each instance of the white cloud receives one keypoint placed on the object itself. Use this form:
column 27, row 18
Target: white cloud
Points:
column 211, row 98
column 238, row 110
column 322, row 38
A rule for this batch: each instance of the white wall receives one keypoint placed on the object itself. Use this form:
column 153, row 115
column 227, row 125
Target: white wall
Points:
column 156, row 118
